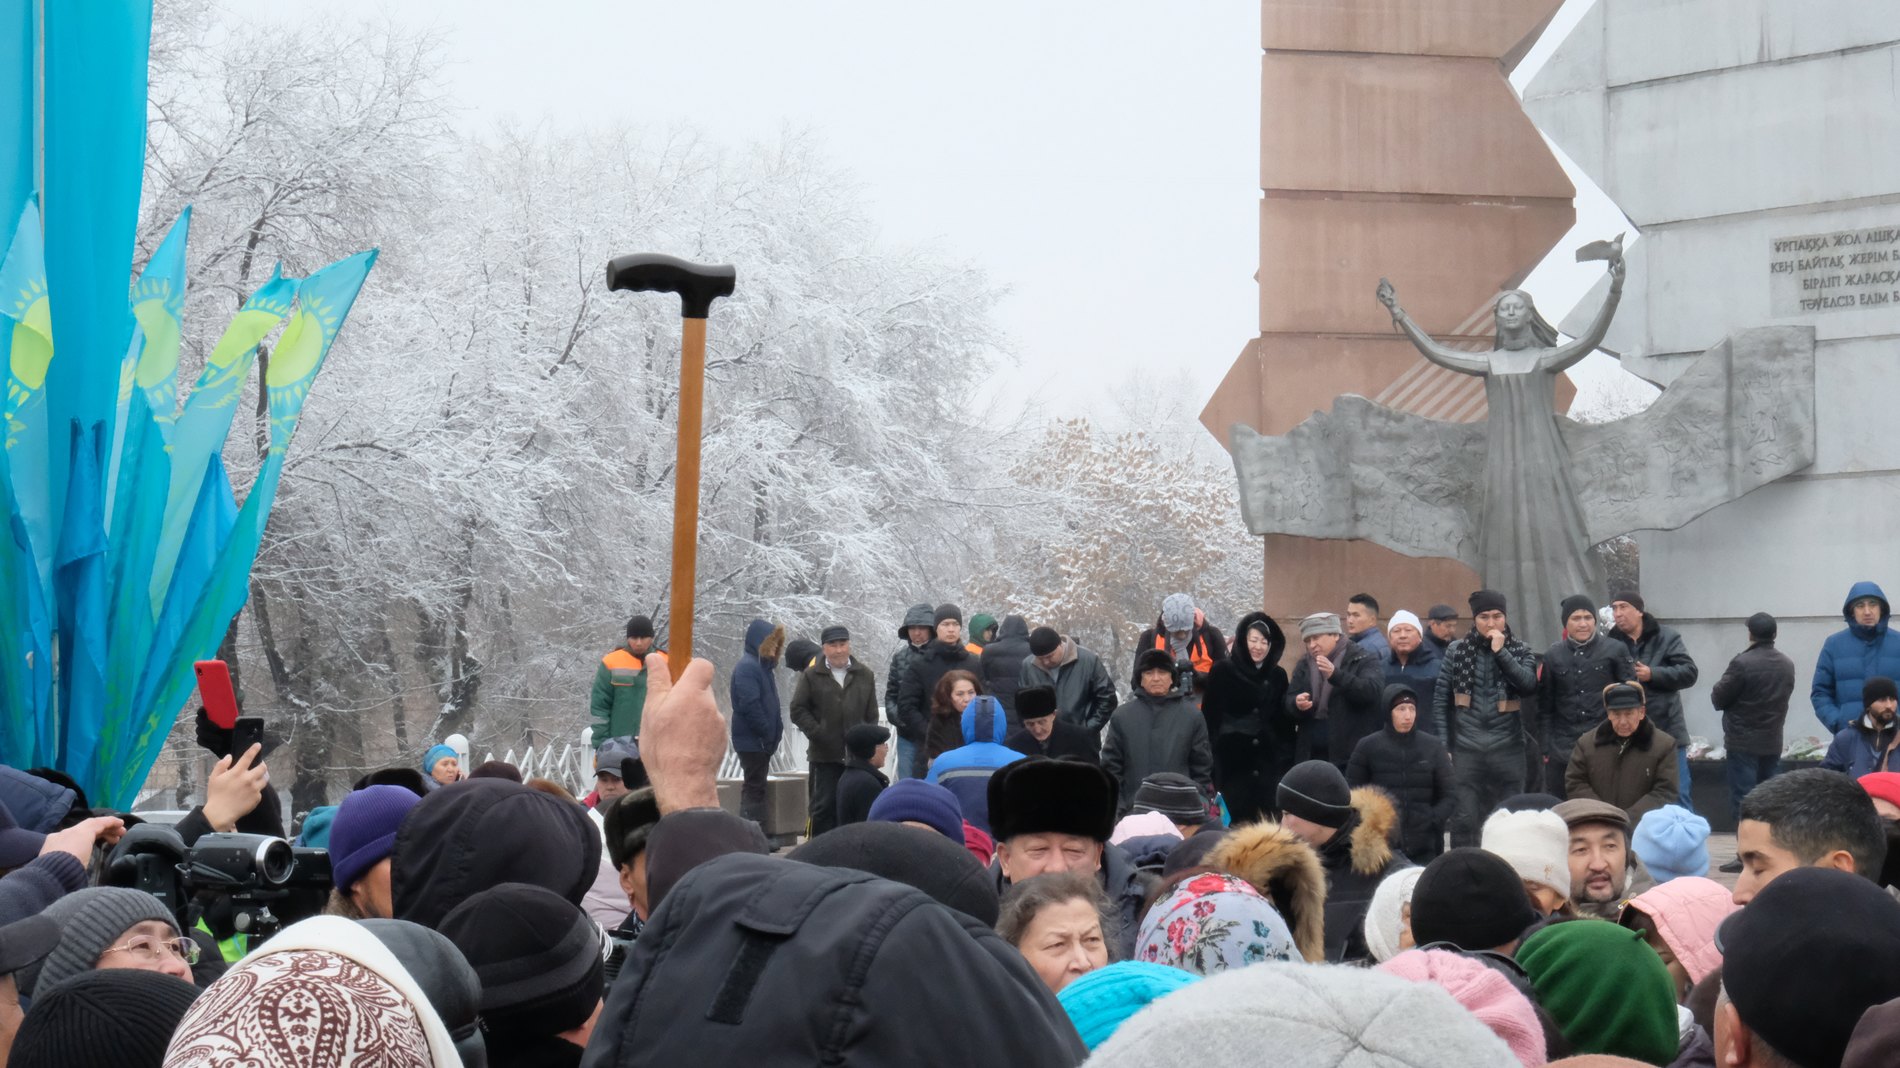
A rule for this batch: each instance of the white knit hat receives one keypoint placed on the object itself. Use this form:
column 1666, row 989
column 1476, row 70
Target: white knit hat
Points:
column 1536, row 844
column 1406, row 617
column 1387, row 910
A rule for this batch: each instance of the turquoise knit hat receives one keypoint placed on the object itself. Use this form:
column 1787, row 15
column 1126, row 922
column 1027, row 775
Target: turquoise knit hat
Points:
column 435, row 754
column 1098, row 1002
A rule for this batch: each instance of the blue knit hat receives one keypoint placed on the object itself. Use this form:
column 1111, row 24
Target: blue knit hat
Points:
column 315, row 830
column 924, row 802
column 1672, row 842
column 435, row 754
column 364, row 830
column 1098, row 1002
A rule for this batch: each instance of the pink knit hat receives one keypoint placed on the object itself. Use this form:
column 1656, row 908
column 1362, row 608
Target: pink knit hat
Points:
column 1686, row 912
column 1483, row 991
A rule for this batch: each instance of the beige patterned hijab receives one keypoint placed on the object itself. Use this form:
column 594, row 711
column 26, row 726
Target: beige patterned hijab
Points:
column 325, row 993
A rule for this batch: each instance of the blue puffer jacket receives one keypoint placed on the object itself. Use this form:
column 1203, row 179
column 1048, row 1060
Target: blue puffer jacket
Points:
column 965, row 771
column 1850, row 657
column 757, row 722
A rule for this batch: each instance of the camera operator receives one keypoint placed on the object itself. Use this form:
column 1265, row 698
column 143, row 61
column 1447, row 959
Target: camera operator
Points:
column 1157, row 729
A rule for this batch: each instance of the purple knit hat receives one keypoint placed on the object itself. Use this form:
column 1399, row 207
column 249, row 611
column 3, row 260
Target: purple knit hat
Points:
column 364, row 830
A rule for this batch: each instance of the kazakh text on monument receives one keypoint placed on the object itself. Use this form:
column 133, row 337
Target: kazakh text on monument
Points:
column 1836, row 271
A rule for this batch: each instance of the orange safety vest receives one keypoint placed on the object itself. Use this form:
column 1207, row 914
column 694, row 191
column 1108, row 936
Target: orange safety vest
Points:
column 1197, row 650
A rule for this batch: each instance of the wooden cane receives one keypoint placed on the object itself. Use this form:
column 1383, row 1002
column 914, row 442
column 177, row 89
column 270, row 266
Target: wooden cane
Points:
column 698, row 285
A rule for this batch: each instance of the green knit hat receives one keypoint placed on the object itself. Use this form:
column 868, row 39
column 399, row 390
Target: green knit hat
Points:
column 1606, row 988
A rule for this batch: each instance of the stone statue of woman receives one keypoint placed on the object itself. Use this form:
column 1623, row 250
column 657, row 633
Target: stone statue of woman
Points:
column 1532, row 532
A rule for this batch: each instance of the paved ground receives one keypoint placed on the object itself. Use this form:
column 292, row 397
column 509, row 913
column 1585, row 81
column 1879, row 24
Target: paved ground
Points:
column 1721, row 851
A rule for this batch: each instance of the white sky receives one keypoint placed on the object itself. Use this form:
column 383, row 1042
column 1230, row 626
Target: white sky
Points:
column 1100, row 160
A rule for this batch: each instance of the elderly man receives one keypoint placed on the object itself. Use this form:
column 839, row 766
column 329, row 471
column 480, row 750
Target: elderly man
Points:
column 1045, row 733
column 1604, row 874
column 1665, row 669
column 833, row 694
column 1055, row 816
column 1626, row 761
column 1334, row 692
column 1084, row 695
column 1477, row 711
column 1441, row 627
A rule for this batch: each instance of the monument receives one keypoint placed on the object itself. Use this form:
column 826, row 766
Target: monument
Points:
column 1755, row 147
column 1390, row 141
column 1523, row 497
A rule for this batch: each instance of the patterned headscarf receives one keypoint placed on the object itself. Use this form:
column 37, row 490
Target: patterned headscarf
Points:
column 1211, row 923
column 323, row 994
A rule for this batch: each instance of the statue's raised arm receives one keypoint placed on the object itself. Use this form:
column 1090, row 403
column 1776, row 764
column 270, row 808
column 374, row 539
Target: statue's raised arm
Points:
column 1448, row 358
column 1567, row 355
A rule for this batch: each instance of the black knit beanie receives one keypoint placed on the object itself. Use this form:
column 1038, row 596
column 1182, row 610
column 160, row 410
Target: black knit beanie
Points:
column 1472, row 899
column 1573, row 604
column 1316, row 791
column 106, row 1018
column 1485, row 600
column 1876, row 688
column 538, row 956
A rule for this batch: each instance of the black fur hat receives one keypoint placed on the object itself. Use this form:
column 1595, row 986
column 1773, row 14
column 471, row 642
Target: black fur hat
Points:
column 1153, row 660
column 1045, row 796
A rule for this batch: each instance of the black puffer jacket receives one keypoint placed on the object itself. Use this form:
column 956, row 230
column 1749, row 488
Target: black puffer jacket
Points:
column 1416, row 771
column 1752, row 696
column 1571, row 690
column 917, row 615
column 1479, row 705
column 1671, row 671
column 1355, row 859
column 1002, row 664
column 926, row 669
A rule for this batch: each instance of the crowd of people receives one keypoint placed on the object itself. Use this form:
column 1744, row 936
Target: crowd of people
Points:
column 1232, row 864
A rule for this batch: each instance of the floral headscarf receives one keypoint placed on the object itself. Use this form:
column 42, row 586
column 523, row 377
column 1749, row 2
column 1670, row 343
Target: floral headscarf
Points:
column 1211, row 923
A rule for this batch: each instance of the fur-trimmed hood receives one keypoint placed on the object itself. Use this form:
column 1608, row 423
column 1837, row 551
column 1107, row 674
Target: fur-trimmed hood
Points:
column 1280, row 865
column 1370, row 832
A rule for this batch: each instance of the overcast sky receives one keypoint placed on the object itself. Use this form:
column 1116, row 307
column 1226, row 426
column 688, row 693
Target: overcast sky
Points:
column 1100, row 160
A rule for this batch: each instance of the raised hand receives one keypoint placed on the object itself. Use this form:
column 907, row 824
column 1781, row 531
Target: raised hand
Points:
column 1388, row 296
column 682, row 736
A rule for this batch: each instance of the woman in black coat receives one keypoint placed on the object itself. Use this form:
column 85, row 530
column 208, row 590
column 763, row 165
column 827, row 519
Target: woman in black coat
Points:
column 1245, row 707
column 1414, row 768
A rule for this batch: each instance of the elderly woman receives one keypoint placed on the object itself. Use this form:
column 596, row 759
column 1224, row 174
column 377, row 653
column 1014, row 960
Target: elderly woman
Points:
column 112, row 927
column 1059, row 923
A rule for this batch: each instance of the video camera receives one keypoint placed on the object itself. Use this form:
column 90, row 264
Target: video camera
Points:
column 237, row 877
column 1183, row 679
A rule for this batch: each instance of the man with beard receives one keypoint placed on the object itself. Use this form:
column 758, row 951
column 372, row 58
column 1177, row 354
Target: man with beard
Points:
column 1604, row 874
column 1866, row 745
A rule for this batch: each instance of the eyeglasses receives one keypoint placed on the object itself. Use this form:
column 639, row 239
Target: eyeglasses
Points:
column 153, row 950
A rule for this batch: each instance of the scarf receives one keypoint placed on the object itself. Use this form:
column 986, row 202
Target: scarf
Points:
column 324, row 993
column 1461, row 661
column 1213, row 923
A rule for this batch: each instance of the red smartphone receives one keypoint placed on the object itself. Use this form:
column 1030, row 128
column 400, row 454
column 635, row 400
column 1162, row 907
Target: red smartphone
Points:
column 214, row 688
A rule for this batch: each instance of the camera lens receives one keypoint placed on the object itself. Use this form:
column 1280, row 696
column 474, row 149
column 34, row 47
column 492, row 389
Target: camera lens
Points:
column 274, row 861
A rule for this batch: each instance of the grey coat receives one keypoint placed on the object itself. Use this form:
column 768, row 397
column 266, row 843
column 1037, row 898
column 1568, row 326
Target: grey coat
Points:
column 1154, row 734
column 1084, row 694
column 1572, row 689
column 1671, row 670
column 823, row 710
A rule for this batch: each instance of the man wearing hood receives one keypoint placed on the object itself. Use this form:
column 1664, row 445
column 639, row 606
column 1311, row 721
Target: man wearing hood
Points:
column 1414, row 769
column 1254, row 737
column 1478, row 712
column 965, row 771
column 935, row 660
column 1351, row 830
column 1058, row 815
column 1157, row 729
column 1084, row 694
column 1664, row 668
column 1865, row 649
column 1002, row 665
column 915, row 633
column 1184, row 633
column 757, row 723
column 1576, row 670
